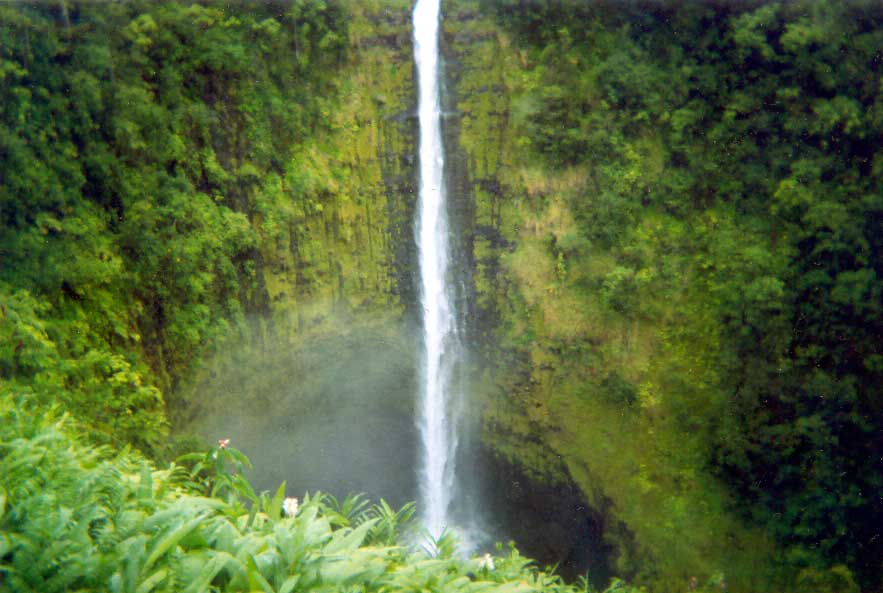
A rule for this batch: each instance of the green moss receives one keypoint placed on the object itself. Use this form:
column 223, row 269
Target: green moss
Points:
column 558, row 341
column 339, row 253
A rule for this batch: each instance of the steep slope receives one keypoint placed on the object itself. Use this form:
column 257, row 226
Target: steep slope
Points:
column 178, row 177
column 642, row 225
column 669, row 230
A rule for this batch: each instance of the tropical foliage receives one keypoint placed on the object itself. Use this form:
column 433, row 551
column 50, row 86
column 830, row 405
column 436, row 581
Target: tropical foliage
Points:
column 676, row 249
column 78, row 518
column 712, row 264
column 145, row 159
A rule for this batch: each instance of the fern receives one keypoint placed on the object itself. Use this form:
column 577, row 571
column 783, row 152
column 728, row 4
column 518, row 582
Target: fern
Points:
column 79, row 518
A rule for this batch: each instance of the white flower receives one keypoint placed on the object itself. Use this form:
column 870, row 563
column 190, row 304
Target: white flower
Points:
column 290, row 507
column 486, row 561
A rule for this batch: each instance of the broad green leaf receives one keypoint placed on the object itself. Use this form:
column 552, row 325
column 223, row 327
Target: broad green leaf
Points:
column 274, row 512
column 343, row 541
column 252, row 514
column 171, row 539
column 255, row 579
column 209, row 570
column 481, row 586
column 152, row 581
column 364, row 564
column 289, row 584
column 145, row 490
column 515, row 587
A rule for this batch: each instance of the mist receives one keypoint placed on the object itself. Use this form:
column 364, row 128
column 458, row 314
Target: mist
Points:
column 332, row 411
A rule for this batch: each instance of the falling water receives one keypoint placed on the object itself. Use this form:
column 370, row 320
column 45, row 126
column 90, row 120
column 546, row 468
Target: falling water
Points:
column 435, row 420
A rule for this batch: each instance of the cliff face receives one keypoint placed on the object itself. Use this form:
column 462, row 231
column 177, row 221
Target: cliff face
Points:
column 326, row 370
column 594, row 393
column 329, row 365
column 573, row 380
column 567, row 385
column 667, row 242
column 349, row 250
column 188, row 182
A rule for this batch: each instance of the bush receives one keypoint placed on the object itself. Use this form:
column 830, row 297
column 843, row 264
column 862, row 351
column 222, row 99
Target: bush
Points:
column 76, row 517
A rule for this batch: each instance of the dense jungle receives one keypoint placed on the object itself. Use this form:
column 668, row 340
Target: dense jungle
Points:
column 669, row 233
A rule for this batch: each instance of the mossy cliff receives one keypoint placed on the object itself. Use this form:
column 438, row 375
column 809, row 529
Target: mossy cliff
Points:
column 676, row 257
column 348, row 248
column 599, row 305
column 183, row 181
column 580, row 377
column 328, row 365
column 668, row 242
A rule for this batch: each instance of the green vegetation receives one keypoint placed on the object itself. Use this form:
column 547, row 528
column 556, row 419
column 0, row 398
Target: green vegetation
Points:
column 676, row 241
column 685, row 206
column 170, row 170
column 138, row 163
column 77, row 518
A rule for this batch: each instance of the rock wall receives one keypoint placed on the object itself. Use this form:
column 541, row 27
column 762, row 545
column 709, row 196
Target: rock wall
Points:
column 572, row 456
column 352, row 251
column 569, row 384
column 320, row 392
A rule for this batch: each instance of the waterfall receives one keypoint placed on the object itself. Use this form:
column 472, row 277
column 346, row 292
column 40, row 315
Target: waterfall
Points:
column 437, row 422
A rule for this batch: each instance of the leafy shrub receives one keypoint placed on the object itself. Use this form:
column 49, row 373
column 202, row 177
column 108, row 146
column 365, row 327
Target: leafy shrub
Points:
column 77, row 517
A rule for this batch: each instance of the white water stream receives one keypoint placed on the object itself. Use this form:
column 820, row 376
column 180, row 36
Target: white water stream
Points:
column 436, row 421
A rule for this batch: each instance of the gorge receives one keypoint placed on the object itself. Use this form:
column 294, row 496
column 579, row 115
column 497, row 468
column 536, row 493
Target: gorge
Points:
column 663, row 266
